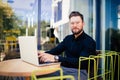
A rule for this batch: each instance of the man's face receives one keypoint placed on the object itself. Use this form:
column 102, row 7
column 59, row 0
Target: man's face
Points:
column 76, row 24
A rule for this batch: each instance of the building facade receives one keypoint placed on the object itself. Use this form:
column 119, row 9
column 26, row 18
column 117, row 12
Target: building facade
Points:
column 102, row 20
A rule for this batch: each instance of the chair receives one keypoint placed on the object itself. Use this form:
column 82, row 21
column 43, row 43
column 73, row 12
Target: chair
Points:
column 106, row 62
column 81, row 59
column 118, row 54
column 115, row 56
column 60, row 77
column 104, row 65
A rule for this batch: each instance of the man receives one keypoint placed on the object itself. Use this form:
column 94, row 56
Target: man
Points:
column 74, row 46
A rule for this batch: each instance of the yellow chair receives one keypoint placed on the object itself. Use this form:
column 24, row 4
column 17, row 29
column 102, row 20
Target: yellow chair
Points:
column 118, row 65
column 60, row 77
column 89, row 69
column 102, row 68
column 108, row 62
column 104, row 65
column 115, row 56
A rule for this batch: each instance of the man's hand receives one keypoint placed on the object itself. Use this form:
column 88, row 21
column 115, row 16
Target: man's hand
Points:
column 45, row 57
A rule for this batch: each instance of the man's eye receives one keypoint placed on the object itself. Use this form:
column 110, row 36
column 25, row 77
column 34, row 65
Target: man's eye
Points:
column 72, row 23
column 77, row 22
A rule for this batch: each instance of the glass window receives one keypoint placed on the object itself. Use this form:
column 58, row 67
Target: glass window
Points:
column 58, row 11
column 86, row 8
column 112, row 25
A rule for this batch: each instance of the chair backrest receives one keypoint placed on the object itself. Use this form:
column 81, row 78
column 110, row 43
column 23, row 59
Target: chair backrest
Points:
column 105, row 64
column 103, row 67
column 89, row 69
column 70, row 77
column 59, row 77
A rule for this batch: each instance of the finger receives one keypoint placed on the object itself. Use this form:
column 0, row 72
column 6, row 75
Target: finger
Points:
column 42, row 59
column 40, row 55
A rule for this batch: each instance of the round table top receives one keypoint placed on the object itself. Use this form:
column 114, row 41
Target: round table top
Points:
column 17, row 67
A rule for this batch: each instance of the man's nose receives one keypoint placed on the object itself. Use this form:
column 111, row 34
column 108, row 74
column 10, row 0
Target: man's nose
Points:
column 74, row 25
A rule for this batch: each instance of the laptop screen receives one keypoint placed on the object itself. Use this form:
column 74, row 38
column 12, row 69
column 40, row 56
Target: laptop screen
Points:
column 28, row 49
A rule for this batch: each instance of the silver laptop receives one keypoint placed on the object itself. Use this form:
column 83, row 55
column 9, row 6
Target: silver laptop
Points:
column 29, row 51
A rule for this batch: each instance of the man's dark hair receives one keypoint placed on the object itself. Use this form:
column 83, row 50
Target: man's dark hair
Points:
column 76, row 13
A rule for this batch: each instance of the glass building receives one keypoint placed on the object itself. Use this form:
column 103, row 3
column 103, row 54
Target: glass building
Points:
column 102, row 20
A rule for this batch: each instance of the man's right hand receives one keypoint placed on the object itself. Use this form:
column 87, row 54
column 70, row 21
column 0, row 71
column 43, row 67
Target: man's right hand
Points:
column 46, row 57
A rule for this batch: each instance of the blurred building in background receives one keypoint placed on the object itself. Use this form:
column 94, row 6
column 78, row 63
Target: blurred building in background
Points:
column 102, row 20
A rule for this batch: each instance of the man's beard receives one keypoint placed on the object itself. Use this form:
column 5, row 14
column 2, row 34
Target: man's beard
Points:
column 76, row 33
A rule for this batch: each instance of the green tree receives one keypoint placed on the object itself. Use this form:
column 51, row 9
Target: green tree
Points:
column 10, row 24
column 44, row 25
column 5, row 18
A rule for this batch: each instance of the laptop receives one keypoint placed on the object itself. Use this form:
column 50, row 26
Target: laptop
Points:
column 29, row 51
